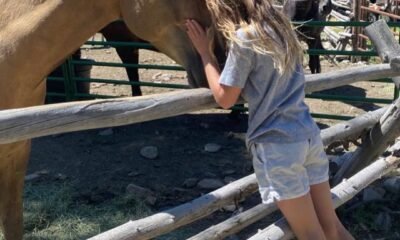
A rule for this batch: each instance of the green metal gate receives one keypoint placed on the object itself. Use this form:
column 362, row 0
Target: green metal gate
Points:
column 71, row 80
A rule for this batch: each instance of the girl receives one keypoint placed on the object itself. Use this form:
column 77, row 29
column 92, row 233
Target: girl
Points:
column 264, row 66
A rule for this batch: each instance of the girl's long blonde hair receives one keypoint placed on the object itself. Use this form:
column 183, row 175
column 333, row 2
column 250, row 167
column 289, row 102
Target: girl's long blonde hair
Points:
column 255, row 17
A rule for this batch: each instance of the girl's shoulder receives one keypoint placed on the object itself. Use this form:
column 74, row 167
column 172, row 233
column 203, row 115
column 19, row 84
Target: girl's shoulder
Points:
column 246, row 33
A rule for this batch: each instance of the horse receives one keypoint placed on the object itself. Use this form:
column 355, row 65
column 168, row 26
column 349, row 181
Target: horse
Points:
column 118, row 31
column 28, row 29
column 309, row 10
column 296, row 10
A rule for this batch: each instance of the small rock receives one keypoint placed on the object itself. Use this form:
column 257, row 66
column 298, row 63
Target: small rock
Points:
column 228, row 172
column 106, row 132
column 43, row 172
column 210, row 175
column 229, row 179
column 190, row 182
column 166, row 77
column 134, row 174
column 141, row 193
column 210, row 184
column 36, row 175
column 157, row 75
column 61, row 176
column 212, row 147
column 229, row 208
column 383, row 222
column 149, row 152
column 232, row 237
column 392, row 184
column 338, row 150
column 371, row 194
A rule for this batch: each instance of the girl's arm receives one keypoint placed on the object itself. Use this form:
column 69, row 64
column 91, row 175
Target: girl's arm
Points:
column 225, row 96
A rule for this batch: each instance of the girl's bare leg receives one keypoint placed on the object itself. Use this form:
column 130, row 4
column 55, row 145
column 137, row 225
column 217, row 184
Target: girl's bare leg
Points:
column 331, row 225
column 302, row 218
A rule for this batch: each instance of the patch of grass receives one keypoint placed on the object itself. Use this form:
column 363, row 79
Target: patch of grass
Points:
column 362, row 221
column 52, row 212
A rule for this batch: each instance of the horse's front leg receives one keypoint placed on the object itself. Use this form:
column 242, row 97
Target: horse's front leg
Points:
column 314, row 64
column 13, row 163
column 118, row 31
column 130, row 55
column 314, row 61
column 16, row 92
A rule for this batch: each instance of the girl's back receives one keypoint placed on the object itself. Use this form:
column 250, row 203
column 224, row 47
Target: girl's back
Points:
column 277, row 111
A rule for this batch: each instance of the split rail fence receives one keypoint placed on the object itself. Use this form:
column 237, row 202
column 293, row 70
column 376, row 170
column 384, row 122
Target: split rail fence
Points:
column 378, row 129
column 71, row 80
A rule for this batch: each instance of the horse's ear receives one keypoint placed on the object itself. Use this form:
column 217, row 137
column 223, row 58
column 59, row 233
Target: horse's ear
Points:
column 289, row 8
column 325, row 8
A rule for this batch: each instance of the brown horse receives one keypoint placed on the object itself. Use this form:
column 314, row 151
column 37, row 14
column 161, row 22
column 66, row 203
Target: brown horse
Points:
column 309, row 10
column 36, row 35
column 297, row 10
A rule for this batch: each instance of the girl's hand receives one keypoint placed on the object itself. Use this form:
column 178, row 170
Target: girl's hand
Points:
column 198, row 36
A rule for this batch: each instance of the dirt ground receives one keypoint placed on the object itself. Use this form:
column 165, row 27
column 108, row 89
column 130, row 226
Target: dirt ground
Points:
column 100, row 164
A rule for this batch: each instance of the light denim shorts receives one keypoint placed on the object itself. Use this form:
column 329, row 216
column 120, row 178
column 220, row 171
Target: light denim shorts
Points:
column 286, row 170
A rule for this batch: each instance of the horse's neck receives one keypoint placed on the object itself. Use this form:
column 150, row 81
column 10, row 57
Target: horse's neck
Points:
column 11, row 10
column 35, row 41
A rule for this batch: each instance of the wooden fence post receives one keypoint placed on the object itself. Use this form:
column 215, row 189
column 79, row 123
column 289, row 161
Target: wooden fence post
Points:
column 388, row 128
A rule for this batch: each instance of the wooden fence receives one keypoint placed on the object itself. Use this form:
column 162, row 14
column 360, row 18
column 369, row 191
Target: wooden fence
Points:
column 378, row 129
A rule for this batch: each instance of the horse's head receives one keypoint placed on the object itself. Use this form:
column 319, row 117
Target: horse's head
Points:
column 162, row 22
column 304, row 10
column 309, row 10
column 324, row 9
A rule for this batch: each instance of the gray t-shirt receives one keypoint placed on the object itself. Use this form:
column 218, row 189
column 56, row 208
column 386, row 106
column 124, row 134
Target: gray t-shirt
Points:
column 277, row 112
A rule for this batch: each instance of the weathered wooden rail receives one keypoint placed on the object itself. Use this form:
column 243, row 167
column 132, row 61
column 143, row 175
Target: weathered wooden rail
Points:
column 26, row 123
